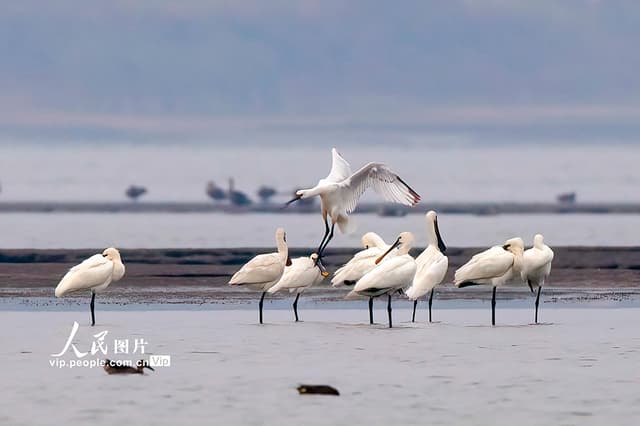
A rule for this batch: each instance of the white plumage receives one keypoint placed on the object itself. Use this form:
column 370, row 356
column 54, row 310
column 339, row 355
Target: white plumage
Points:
column 265, row 270
column 495, row 266
column 340, row 191
column 302, row 274
column 94, row 273
column 363, row 261
column 537, row 267
column 431, row 264
column 390, row 274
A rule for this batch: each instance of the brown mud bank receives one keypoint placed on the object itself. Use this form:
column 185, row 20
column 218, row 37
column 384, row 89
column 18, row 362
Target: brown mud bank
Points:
column 193, row 276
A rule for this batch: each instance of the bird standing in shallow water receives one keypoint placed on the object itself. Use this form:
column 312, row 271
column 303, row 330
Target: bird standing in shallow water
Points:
column 302, row 274
column 95, row 274
column 340, row 191
column 495, row 266
column 390, row 275
column 537, row 267
column 265, row 270
column 432, row 265
column 361, row 263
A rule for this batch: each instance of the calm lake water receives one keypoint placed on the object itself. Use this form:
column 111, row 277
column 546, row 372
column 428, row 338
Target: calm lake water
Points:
column 576, row 368
column 126, row 230
column 517, row 172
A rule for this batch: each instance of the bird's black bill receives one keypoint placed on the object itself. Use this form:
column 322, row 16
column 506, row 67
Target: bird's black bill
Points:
column 149, row 367
column 289, row 261
column 293, row 200
column 441, row 245
column 396, row 244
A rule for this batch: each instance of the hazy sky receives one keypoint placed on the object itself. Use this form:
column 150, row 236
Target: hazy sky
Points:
column 358, row 70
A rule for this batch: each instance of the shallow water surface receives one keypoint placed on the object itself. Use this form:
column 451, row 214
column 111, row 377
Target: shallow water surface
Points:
column 577, row 367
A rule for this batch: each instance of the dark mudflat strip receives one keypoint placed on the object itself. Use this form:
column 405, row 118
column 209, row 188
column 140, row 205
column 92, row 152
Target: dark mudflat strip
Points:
column 175, row 276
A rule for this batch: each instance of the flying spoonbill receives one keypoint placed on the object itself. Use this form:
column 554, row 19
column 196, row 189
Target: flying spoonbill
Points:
column 537, row 266
column 340, row 191
column 495, row 266
column 302, row 274
column 361, row 263
column 265, row 270
column 390, row 274
column 95, row 274
column 431, row 264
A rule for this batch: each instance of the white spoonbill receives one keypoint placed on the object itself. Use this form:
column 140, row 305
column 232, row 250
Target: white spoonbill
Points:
column 302, row 274
column 361, row 263
column 432, row 265
column 340, row 191
column 95, row 274
column 263, row 271
column 390, row 274
column 495, row 266
column 537, row 266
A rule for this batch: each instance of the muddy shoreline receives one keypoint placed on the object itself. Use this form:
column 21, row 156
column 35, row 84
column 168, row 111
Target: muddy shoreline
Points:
column 200, row 276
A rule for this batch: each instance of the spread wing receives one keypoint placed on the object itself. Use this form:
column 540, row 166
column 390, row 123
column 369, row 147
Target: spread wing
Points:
column 383, row 180
column 490, row 263
column 92, row 272
column 340, row 169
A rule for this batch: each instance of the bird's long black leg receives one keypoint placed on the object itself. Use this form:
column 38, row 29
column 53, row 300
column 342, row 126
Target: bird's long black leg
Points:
column 324, row 237
column 538, row 302
column 493, row 307
column 371, row 310
column 430, row 303
column 92, row 305
column 326, row 243
column 389, row 309
column 295, row 306
column 413, row 316
column 260, row 304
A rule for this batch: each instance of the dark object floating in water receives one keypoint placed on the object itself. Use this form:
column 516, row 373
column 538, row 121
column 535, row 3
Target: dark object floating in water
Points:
column 134, row 192
column 113, row 367
column 567, row 198
column 317, row 390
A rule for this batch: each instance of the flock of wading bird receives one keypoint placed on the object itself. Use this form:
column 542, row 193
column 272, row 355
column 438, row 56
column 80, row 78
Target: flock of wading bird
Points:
column 379, row 269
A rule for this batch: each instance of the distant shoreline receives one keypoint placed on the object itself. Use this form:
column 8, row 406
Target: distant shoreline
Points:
column 488, row 208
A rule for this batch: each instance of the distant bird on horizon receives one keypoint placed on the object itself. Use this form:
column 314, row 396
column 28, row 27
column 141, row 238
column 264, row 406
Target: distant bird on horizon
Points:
column 95, row 274
column 237, row 198
column 495, row 267
column 390, row 275
column 537, row 266
column 215, row 192
column 299, row 276
column 134, row 192
column 113, row 367
column 432, row 265
column 264, row 270
column 340, row 191
column 361, row 263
